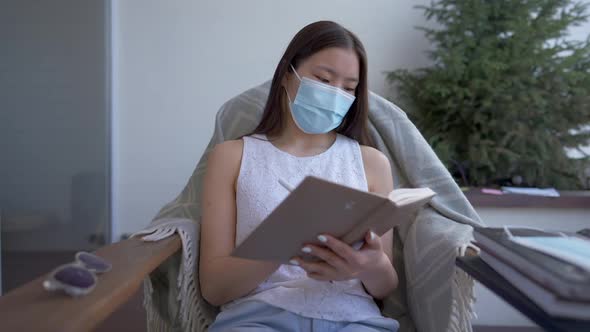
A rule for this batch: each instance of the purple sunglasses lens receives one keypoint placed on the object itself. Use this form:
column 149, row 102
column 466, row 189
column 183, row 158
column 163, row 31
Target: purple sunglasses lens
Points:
column 75, row 276
column 93, row 262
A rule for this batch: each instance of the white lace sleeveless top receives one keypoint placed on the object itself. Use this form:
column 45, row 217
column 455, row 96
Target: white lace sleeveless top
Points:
column 259, row 192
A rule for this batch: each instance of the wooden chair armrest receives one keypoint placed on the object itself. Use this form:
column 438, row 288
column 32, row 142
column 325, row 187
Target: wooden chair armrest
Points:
column 31, row 308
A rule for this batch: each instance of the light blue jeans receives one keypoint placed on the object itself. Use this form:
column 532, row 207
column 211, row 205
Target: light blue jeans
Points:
column 254, row 316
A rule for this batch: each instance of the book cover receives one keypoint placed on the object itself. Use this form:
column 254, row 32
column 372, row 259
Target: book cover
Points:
column 318, row 206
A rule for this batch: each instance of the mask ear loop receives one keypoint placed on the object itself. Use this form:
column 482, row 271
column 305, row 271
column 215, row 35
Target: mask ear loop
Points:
column 288, row 97
column 287, row 92
column 295, row 71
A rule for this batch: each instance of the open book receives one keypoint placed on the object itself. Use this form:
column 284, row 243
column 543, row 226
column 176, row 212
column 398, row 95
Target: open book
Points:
column 318, row 206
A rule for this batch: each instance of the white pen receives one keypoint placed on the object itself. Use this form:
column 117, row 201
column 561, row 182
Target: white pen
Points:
column 286, row 185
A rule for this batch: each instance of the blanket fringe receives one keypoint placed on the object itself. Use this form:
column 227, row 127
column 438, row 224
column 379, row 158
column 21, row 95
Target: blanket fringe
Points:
column 188, row 296
column 191, row 316
column 155, row 323
column 462, row 286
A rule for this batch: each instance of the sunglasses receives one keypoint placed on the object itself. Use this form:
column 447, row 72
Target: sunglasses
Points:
column 79, row 277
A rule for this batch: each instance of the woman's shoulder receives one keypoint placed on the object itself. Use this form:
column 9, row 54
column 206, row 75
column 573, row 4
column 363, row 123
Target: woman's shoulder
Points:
column 228, row 149
column 377, row 167
column 374, row 157
column 227, row 155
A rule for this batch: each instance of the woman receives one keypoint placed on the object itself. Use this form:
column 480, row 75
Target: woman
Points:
column 314, row 123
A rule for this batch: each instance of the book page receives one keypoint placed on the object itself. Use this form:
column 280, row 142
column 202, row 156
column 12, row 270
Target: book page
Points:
column 405, row 196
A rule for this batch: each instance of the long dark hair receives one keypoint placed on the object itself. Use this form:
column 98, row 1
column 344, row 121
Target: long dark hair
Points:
column 310, row 40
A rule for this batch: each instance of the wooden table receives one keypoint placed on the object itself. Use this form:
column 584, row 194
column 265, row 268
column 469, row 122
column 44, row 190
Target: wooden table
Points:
column 31, row 308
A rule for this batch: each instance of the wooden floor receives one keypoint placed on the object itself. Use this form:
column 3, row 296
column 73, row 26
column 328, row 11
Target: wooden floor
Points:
column 19, row 268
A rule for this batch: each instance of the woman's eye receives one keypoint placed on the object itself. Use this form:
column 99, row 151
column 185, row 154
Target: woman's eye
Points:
column 349, row 89
column 323, row 80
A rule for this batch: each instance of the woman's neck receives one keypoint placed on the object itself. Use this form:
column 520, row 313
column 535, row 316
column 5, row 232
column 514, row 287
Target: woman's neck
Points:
column 295, row 141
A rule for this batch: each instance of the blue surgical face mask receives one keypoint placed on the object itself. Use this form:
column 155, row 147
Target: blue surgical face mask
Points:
column 568, row 248
column 318, row 107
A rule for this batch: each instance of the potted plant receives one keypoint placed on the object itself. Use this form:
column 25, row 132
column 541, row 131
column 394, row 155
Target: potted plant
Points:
column 506, row 92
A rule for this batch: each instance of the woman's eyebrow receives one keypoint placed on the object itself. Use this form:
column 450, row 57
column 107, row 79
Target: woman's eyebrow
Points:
column 332, row 72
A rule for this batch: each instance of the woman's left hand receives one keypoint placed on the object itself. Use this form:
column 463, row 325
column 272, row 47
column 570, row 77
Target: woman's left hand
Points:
column 339, row 261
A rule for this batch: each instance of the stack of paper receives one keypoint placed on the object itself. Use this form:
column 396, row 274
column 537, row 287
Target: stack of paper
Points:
column 547, row 192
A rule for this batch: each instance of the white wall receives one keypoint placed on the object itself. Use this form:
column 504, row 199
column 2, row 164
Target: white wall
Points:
column 175, row 62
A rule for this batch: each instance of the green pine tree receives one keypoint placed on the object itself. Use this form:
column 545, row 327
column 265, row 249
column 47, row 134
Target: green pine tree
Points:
column 506, row 91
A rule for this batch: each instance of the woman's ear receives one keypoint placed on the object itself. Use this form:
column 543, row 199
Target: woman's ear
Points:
column 290, row 84
column 286, row 81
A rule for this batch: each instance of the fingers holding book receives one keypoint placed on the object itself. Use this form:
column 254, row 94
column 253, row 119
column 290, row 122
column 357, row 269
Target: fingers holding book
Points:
column 340, row 261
